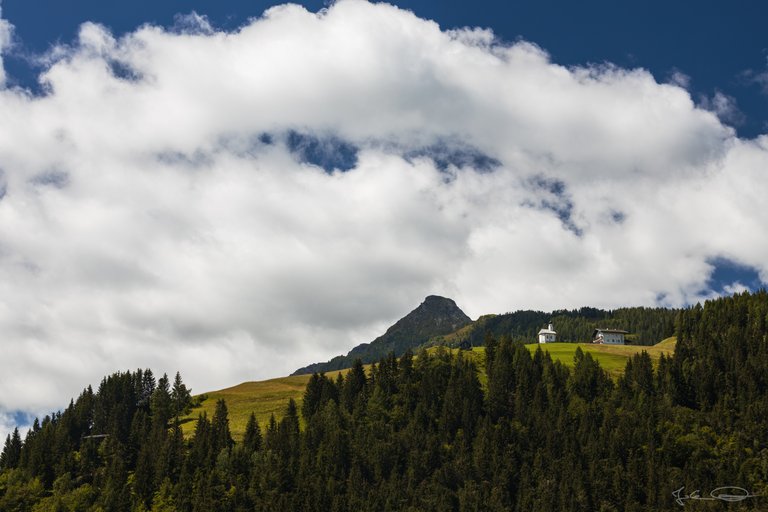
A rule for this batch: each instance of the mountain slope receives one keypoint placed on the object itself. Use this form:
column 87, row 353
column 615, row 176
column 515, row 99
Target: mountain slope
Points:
column 435, row 316
column 268, row 397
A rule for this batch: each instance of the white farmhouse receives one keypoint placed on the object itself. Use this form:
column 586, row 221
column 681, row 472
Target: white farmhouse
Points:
column 547, row 335
column 609, row 336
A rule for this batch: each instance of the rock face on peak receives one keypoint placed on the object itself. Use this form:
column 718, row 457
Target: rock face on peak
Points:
column 435, row 316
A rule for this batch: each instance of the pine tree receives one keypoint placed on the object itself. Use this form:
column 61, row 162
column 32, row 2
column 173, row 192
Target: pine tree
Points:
column 270, row 436
column 252, row 438
column 181, row 397
column 115, row 494
column 161, row 404
column 221, row 438
column 143, row 477
column 283, row 441
column 200, row 451
column 589, row 379
column 11, row 455
column 501, row 378
column 355, row 384
column 169, row 462
column 312, row 396
column 146, row 383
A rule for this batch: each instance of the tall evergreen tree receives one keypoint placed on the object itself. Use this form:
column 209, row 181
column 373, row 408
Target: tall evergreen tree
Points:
column 252, row 437
column 161, row 403
column 355, row 384
column 11, row 455
column 181, row 397
column 221, row 438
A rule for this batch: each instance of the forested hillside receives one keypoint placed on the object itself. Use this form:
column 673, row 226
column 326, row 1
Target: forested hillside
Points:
column 264, row 398
column 424, row 434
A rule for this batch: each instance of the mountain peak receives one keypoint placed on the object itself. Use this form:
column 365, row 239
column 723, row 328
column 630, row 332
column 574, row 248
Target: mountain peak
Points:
column 438, row 300
column 436, row 316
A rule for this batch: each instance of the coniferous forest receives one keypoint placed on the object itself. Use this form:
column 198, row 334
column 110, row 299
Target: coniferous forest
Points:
column 422, row 433
column 647, row 326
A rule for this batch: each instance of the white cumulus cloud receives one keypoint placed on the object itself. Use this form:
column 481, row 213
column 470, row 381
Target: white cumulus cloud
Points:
column 155, row 214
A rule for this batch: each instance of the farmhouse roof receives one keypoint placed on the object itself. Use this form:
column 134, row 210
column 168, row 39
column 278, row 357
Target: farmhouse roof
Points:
column 612, row 331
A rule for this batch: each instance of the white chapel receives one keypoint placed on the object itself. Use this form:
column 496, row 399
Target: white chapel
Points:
column 548, row 335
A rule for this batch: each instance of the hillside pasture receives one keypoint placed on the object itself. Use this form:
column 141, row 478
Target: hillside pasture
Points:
column 263, row 398
column 612, row 358
column 268, row 397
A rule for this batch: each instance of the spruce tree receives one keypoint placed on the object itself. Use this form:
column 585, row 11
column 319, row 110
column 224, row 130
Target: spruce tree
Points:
column 312, row 396
column 181, row 397
column 160, row 403
column 252, row 438
column 355, row 384
column 11, row 455
column 221, row 438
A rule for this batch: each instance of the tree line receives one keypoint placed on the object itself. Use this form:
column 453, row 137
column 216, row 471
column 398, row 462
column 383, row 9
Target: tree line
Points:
column 424, row 432
column 647, row 326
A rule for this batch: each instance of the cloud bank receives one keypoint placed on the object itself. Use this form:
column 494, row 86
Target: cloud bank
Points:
column 164, row 205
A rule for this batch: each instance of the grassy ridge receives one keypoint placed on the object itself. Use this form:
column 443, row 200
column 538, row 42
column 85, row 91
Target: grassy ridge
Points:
column 263, row 398
column 268, row 397
column 613, row 358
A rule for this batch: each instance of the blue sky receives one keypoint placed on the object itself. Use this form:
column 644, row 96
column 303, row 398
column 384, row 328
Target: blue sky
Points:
column 720, row 46
column 233, row 193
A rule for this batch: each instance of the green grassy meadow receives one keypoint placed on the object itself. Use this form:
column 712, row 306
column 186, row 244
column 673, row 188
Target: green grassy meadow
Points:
column 263, row 398
column 268, row 397
column 613, row 358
